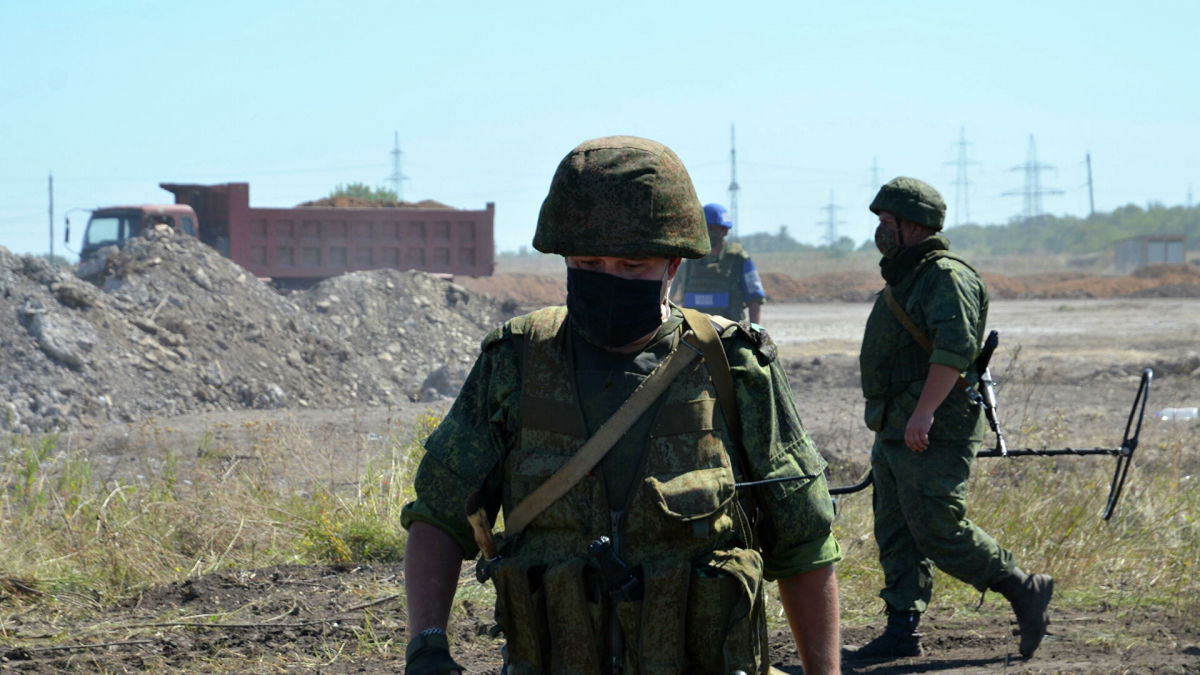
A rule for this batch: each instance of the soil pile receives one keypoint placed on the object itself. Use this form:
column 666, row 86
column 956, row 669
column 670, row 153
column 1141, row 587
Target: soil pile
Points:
column 170, row 327
column 1173, row 281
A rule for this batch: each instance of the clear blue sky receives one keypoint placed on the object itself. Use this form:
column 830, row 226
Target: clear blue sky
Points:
column 297, row 97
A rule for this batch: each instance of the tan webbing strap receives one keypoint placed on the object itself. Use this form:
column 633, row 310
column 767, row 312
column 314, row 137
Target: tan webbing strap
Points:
column 718, row 369
column 600, row 443
column 912, row 329
column 906, row 321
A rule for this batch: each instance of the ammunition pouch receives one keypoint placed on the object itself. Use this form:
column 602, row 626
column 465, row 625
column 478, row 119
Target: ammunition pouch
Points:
column 704, row 616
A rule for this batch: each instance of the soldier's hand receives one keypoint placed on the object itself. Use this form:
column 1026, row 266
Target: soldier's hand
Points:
column 430, row 655
column 916, row 432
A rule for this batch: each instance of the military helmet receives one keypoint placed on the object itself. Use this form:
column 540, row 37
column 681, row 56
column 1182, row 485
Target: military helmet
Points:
column 624, row 197
column 715, row 214
column 912, row 200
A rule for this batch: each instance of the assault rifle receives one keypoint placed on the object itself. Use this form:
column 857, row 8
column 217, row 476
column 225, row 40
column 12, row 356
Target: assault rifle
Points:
column 985, row 393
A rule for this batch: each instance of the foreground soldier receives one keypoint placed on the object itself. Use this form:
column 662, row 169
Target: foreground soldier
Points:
column 652, row 561
column 724, row 282
column 927, row 431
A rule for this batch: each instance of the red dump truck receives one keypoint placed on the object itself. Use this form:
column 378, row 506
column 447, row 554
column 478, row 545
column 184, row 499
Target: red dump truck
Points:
column 296, row 247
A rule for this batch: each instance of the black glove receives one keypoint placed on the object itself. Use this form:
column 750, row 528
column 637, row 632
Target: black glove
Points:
column 429, row 654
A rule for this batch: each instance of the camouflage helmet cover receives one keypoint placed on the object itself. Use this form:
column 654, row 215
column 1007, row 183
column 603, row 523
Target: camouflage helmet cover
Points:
column 912, row 200
column 624, row 197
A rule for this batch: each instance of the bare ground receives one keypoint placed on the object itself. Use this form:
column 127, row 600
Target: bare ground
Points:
column 1080, row 357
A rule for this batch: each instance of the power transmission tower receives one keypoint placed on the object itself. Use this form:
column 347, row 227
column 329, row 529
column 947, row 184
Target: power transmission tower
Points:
column 1091, row 196
column 1189, row 202
column 831, row 221
column 962, row 184
column 1033, row 191
column 876, row 172
column 397, row 176
column 733, row 184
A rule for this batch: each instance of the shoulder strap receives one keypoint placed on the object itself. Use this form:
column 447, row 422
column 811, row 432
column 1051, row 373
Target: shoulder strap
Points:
column 601, row 442
column 906, row 321
column 718, row 367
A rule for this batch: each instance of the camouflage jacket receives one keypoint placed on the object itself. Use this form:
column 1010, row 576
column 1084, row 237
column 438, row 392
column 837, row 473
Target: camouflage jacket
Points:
column 471, row 450
column 948, row 302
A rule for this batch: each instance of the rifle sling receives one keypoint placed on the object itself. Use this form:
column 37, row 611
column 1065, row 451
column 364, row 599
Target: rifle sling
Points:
column 906, row 321
column 602, row 441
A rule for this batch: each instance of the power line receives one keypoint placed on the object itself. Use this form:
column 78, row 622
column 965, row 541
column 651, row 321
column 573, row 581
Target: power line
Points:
column 875, row 181
column 962, row 184
column 1033, row 191
column 397, row 176
column 733, row 184
column 831, row 222
column 1091, row 194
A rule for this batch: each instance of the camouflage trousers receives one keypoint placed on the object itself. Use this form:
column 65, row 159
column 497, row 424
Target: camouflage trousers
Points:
column 920, row 502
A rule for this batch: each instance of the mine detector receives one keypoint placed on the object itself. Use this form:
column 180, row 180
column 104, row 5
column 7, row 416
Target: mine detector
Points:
column 297, row 247
column 985, row 395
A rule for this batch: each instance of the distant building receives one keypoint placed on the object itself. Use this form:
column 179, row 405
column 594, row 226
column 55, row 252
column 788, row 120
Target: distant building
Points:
column 1150, row 249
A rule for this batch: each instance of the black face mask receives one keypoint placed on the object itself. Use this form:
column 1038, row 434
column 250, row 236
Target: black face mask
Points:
column 889, row 241
column 610, row 311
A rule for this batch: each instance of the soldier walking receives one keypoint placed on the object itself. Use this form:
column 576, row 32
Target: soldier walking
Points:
column 921, row 338
column 627, row 545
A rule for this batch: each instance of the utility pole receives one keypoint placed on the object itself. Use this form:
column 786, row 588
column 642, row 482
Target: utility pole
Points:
column 1033, row 191
column 397, row 177
column 1189, row 202
column 52, row 216
column 733, row 184
column 876, row 181
column 831, row 222
column 962, row 184
column 1091, row 197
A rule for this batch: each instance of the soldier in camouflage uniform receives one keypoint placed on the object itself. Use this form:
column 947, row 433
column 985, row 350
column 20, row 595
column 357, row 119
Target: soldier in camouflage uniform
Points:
column 696, row 551
column 927, row 430
column 724, row 282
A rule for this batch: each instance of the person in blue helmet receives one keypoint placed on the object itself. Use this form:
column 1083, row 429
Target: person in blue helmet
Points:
column 724, row 282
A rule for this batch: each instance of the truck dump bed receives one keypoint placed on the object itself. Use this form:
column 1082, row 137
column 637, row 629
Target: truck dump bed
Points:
column 305, row 244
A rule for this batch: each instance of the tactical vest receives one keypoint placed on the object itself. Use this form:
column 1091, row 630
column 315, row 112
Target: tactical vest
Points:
column 714, row 283
column 894, row 366
column 700, row 608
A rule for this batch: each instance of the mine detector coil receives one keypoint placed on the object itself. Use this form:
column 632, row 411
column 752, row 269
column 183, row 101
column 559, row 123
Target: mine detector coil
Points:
column 1124, row 453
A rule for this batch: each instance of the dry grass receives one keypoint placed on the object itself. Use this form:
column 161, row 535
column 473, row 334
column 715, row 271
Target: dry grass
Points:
column 80, row 544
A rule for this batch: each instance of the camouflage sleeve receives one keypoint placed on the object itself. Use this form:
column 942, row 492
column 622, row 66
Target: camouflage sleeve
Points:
column 466, row 451
column 952, row 307
column 796, row 517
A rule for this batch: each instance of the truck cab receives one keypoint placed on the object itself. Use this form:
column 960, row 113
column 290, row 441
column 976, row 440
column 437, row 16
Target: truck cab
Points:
column 114, row 225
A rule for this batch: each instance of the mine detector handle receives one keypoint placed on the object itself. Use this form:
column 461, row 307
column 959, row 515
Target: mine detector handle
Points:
column 1124, row 453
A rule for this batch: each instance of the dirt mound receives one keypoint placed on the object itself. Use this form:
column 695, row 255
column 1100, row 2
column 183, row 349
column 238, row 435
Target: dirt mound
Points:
column 527, row 291
column 171, row 327
column 521, row 291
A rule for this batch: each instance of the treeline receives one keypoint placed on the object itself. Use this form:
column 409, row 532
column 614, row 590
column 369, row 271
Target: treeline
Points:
column 1072, row 235
column 1023, row 236
column 1020, row 236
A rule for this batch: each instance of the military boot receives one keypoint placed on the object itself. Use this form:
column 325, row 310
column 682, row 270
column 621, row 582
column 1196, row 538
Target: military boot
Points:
column 899, row 638
column 1029, row 595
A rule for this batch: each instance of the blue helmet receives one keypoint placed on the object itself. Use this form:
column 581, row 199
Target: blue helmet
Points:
column 715, row 214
